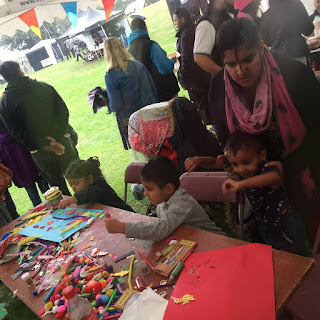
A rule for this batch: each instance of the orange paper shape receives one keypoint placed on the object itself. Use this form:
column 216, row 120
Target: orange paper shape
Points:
column 30, row 19
column 108, row 6
column 227, row 284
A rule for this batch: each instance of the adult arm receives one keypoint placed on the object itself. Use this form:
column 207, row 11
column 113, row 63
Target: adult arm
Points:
column 203, row 163
column 203, row 45
column 114, row 93
column 159, row 57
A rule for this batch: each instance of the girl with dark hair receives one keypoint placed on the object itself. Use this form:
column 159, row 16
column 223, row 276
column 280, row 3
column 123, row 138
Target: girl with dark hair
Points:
column 276, row 96
column 90, row 186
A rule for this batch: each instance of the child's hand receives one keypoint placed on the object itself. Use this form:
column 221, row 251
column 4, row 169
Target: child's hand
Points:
column 231, row 186
column 115, row 226
column 66, row 202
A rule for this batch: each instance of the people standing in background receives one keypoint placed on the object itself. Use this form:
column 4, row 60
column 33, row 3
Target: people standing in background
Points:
column 282, row 26
column 316, row 10
column 190, row 75
column 129, row 85
column 249, row 9
column 205, row 52
column 78, row 53
column 155, row 59
column 37, row 117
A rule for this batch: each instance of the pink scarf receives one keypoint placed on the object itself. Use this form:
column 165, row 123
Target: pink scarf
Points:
column 271, row 89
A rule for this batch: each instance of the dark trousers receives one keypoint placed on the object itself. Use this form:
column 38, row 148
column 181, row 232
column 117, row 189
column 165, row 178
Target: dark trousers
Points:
column 79, row 55
column 11, row 207
column 33, row 191
column 52, row 167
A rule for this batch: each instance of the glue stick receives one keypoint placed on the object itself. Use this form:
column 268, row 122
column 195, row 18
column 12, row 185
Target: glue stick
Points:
column 27, row 278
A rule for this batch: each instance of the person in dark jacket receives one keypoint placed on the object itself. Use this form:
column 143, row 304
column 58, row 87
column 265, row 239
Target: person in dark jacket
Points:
column 129, row 85
column 278, row 97
column 36, row 116
column 281, row 28
column 155, row 59
column 90, row 186
column 190, row 75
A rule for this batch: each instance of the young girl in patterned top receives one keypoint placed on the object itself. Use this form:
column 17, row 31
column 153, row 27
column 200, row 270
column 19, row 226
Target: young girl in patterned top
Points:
column 277, row 223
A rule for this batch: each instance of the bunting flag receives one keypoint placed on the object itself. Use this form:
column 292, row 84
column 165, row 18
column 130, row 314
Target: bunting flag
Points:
column 71, row 10
column 30, row 19
column 108, row 6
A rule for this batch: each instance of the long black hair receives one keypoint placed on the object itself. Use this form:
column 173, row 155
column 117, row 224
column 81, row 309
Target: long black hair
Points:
column 84, row 168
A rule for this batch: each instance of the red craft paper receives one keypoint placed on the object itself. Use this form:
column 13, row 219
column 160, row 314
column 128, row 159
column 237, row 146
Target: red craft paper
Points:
column 108, row 6
column 227, row 284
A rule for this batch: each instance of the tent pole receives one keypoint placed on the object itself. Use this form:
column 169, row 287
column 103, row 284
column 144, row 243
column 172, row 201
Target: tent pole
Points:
column 104, row 31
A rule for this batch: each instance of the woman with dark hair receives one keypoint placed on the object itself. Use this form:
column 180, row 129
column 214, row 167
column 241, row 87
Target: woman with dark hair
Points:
column 276, row 96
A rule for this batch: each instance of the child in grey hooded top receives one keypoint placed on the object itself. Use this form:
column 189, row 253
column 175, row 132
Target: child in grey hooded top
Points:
column 174, row 205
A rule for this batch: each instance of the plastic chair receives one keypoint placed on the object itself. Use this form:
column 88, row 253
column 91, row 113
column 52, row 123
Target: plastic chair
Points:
column 132, row 175
column 207, row 186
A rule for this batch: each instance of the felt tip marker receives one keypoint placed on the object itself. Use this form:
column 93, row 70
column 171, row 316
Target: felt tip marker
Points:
column 176, row 270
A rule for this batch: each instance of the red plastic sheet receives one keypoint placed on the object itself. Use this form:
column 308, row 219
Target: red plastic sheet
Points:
column 227, row 284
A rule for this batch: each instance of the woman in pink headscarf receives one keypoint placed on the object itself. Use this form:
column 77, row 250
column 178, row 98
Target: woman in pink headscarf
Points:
column 278, row 97
column 248, row 9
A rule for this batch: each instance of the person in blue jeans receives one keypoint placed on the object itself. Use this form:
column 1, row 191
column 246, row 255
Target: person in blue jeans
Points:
column 277, row 223
column 129, row 85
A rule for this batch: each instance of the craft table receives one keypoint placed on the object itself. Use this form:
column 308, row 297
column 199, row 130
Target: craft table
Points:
column 289, row 269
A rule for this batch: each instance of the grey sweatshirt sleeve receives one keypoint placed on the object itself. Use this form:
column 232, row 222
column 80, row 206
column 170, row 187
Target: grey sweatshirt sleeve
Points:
column 158, row 230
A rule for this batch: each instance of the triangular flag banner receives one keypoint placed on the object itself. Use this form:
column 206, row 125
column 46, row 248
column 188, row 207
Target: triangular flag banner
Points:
column 30, row 19
column 71, row 10
column 108, row 6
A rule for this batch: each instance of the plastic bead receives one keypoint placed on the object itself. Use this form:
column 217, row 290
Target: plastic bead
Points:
column 42, row 311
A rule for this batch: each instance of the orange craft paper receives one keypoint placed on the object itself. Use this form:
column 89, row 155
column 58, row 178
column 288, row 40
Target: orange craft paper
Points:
column 227, row 284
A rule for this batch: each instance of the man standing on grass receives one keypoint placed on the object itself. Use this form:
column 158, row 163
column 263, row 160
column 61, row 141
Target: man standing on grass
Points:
column 38, row 118
column 155, row 59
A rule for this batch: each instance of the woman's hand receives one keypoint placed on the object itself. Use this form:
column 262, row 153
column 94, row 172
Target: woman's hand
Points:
column 231, row 186
column 115, row 226
column 278, row 165
column 66, row 202
column 192, row 164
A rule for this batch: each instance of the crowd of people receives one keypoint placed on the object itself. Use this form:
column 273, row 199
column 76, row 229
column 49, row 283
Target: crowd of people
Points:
column 248, row 75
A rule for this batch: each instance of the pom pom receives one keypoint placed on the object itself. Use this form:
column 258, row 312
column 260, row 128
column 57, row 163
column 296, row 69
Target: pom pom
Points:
column 97, row 287
column 62, row 309
column 48, row 305
column 57, row 296
column 55, row 309
column 35, row 293
column 110, row 268
column 88, row 288
column 60, row 303
column 78, row 290
column 94, row 303
column 76, row 259
column 59, row 314
column 104, row 283
column 99, row 302
column 105, row 299
column 56, row 302
column 76, row 280
column 98, row 296
column 110, row 279
column 105, row 274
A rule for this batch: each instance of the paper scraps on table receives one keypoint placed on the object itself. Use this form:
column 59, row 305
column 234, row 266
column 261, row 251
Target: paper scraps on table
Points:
column 119, row 274
column 98, row 253
column 59, row 224
column 223, row 281
column 187, row 298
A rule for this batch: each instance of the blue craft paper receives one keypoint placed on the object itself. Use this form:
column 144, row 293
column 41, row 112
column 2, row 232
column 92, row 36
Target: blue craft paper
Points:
column 53, row 234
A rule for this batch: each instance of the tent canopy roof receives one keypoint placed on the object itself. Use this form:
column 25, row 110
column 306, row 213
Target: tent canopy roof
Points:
column 88, row 19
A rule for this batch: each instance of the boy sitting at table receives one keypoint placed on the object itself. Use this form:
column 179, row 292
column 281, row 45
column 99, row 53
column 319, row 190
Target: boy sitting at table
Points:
column 174, row 205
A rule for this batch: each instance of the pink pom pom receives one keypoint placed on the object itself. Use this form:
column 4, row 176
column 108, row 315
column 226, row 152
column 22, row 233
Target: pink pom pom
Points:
column 110, row 279
column 62, row 308
column 98, row 296
column 57, row 297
